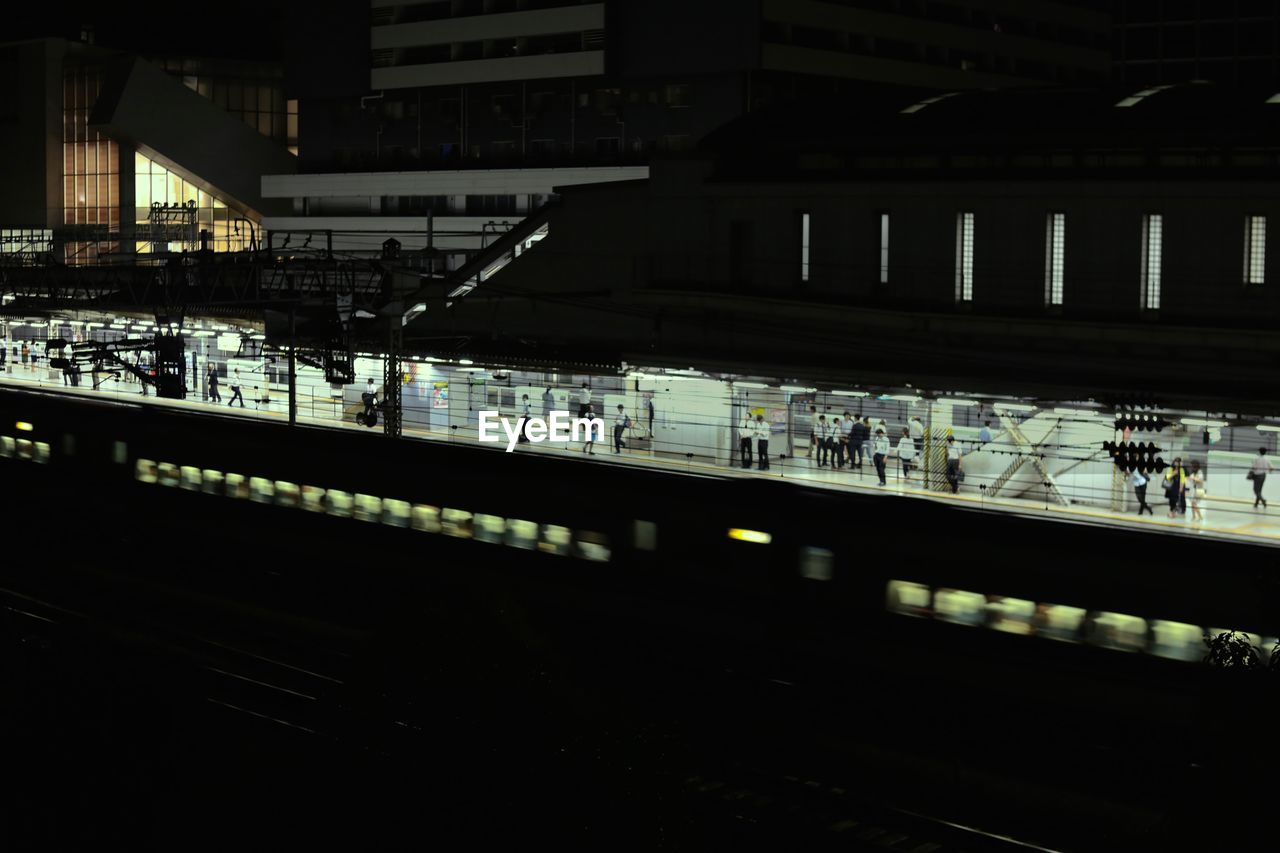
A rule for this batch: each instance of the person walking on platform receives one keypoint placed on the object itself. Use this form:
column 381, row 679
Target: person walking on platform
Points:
column 868, row 438
column 746, row 435
column 1258, row 474
column 1195, row 487
column 26, row 353
column 584, row 400
column 213, row 384
column 858, row 436
column 917, row 431
column 649, row 405
column 984, row 434
column 1139, row 482
column 954, row 468
column 1175, row 486
column 526, row 412
column 236, row 395
column 621, row 422
column 906, row 452
column 762, row 431
column 823, row 432
column 843, row 447
column 548, row 403
column 880, row 453
column 590, row 414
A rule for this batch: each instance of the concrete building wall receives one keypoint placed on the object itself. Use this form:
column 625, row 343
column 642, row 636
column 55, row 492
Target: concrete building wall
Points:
column 31, row 137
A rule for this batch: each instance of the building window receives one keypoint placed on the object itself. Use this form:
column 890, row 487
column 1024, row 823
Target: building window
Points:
column 804, row 246
column 1055, row 250
column 1255, row 249
column 677, row 94
column 1152, row 249
column 964, row 257
column 884, row 248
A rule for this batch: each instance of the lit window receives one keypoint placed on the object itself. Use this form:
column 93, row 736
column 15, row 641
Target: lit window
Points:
column 964, row 257
column 426, row 519
column 1152, row 251
column 313, row 499
column 757, row 537
column 555, row 540
column 884, row 248
column 804, row 247
column 237, row 486
column 190, row 478
column 212, row 481
column 645, row 535
column 1255, row 249
column 1012, row 615
column 1059, row 622
column 395, row 513
column 490, row 528
column 960, row 606
column 368, row 508
column 168, row 474
column 119, row 452
column 1176, row 640
column 907, row 597
column 339, row 503
column 817, row 564
column 288, row 494
column 1055, row 249
column 1118, row 631
column 7, row 446
column 456, row 523
column 590, row 545
column 522, row 534
column 42, row 453
column 261, row 490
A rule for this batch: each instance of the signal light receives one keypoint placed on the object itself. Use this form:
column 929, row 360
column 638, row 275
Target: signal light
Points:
column 1134, row 456
column 1139, row 422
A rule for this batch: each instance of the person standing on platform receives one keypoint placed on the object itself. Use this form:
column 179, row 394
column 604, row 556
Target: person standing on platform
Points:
column 526, row 412
column 837, row 441
column 844, row 447
column 880, row 453
column 1139, row 482
column 822, row 432
column 858, row 436
column 762, row 431
column 984, row 434
column 590, row 414
column 1195, row 488
column 917, row 432
column 1258, row 474
column 236, row 395
column 213, row 384
column 548, row 403
column 584, row 400
column 621, row 421
column 746, row 435
column 649, row 404
column 1175, row 484
column 26, row 354
column 954, row 468
column 906, row 452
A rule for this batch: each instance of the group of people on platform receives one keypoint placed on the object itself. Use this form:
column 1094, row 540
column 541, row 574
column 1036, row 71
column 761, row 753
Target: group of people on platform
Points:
column 1181, row 482
column 847, row 440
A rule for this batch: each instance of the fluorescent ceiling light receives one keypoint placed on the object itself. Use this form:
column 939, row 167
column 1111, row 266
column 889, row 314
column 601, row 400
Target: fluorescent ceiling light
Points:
column 796, row 389
column 849, row 393
column 905, row 398
column 1268, row 427
column 957, row 402
column 750, row 385
column 1204, row 422
column 1014, row 407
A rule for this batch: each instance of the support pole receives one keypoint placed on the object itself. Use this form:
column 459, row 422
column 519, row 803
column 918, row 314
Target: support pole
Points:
column 293, row 371
column 392, row 410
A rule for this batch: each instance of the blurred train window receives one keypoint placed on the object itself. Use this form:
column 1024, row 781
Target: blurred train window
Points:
column 168, row 474
column 907, row 597
column 1118, row 631
column 644, row 535
column 288, row 494
column 960, row 606
column 522, row 533
column 42, row 453
column 144, row 471
column 7, row 446
column 592, row 546
column 261, row 490
column 68, row 444
column 313, row 498
column 212, row 481
column 1012, row 615
column 368, row 508
column 339, row 503
column 119, row 452
column 456, row 523
column 395, row 513
column 426, row 519
column 190, row 478
column 25, row 449
column 555, row 540
column 490, row 528
column 817, row 564
column 237, row 486
column 1059, row 622
column 1176, row 640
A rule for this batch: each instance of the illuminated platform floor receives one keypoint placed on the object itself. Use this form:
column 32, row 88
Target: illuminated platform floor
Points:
column 1224, row 518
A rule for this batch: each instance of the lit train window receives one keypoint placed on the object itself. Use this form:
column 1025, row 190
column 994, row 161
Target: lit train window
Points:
column 313, row 499
column 456, row 523
column 190, row 478
column 907, row 597
column 426, row 519
column 237, row 487
column 644, row 535
column 144, row 471
column 42, row 453
column 1176, row 640
column 261, row 490
column 522, row 534
column 7, row 446
column 1118, row 631
column 68, row 444
column 490, row 528
column 555, row 540
column 368, row 508
column 1011, row 615
column 816, row 563
column 119, row 452
column 168, row 474
column 1059, row 622
column 339, row 503
column 212, row 481
column 395, row 513
column 288, row 494
column 590, row 545
column 960, row 606
column 25, row 449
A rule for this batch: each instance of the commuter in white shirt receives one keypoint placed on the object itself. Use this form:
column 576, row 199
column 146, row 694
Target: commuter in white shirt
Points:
column 879, row 452
column 584, row 400
column 917, row 430
column 620, row 423
column 746, row 436
column 823, row 432
column 906, row 452
column 1258, row 473
column 953, row 464
column 762, row 432
column 843, row 449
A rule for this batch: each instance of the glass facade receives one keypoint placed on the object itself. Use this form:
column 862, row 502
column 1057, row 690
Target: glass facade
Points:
column 90, row 173
column 164, row 230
